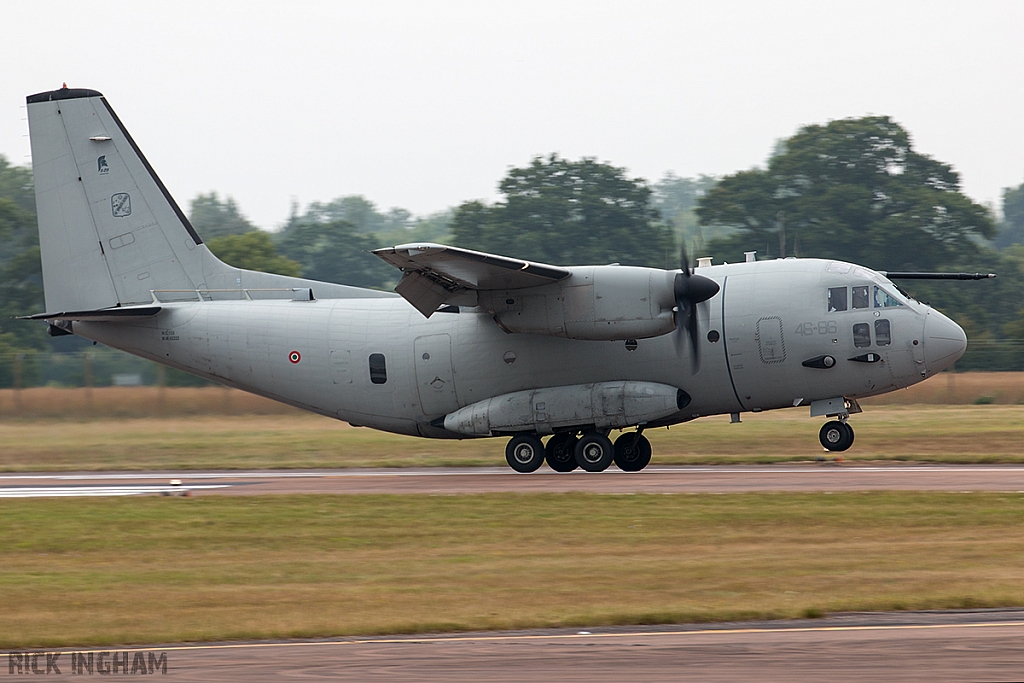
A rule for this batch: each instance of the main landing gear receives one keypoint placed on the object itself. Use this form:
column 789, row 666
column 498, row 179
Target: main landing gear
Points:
column 593, row 452
column 836, row 435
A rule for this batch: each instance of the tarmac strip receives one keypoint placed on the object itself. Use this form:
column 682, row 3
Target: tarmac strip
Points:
column 830, row 477
column 101, row 491
column 924, row 646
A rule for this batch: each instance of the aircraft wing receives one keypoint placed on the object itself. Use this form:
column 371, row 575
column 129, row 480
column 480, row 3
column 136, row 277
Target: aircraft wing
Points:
column 434, row 274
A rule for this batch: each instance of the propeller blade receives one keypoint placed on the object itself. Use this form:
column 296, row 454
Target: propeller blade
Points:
column 690, row 290
column 693, row 331
column 684, row 261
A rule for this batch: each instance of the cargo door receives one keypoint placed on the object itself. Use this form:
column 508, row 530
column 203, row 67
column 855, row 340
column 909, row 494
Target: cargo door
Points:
column 435, row 381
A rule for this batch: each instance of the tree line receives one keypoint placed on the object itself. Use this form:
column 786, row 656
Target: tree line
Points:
column 854, row 189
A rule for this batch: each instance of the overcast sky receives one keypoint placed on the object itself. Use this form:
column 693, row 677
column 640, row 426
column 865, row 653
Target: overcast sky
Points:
column 424, row 105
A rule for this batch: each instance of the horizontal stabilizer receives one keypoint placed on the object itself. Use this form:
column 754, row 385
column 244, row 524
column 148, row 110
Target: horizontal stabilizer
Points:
column 98, row 315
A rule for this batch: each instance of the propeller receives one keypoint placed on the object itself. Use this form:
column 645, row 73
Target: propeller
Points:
column 690, row 290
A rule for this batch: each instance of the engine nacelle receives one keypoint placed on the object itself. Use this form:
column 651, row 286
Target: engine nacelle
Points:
column 604, row 303
column 605, row 405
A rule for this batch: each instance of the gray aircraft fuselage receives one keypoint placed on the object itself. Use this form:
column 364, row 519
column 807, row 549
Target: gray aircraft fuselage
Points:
column 769, row 317
column 477, row 344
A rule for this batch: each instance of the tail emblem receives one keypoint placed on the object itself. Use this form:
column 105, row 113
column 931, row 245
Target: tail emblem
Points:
column 101, row 165
column 121, row 205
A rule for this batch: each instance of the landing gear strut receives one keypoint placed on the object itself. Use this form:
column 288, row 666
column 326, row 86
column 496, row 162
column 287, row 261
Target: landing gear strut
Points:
column 836, row 435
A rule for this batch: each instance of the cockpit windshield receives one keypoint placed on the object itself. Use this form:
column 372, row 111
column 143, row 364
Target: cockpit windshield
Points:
column 881, row 293
column 884, row 299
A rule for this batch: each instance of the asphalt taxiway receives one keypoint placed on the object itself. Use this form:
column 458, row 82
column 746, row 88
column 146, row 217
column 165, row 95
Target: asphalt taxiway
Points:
column 442, row 480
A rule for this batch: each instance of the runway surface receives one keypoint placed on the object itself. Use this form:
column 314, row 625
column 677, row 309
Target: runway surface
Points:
column 985, row 645
column 718, row 479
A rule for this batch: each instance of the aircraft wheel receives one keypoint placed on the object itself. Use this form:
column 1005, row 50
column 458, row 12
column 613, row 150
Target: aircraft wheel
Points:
column 560, row 453
column 524, row 453
column 594, row 452
column 632, row 452
column 836, row 435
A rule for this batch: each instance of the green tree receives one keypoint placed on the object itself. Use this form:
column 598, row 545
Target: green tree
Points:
column 21, row 279
column 357, row 211
column 253, row 251
column 853, row 189
column 335, row 252
column 569, row 212
column 676, row 199
column 213, row 217
column 435, row 227
column 16, row 185
column 1012, row 229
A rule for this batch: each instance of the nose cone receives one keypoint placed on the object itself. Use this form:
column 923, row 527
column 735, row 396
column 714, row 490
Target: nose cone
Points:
column 944, row 342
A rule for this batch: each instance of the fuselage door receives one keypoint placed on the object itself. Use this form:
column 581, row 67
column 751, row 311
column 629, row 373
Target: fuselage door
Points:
column 771, row 344
column 435, row 381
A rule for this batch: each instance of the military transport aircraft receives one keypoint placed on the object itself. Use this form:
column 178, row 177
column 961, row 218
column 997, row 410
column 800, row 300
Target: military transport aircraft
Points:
column 472, row 344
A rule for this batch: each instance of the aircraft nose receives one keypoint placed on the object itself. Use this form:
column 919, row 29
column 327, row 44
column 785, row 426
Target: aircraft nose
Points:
column 944, row 342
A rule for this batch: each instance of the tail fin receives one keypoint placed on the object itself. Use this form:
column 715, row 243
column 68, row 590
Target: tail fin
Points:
column 109, row 232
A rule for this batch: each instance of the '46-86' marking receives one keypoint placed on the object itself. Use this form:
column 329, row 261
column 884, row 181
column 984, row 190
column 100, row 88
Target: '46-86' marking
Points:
column 820, row 327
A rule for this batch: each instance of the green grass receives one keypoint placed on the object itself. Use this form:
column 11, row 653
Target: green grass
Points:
column 941, row 433
column 105, row 571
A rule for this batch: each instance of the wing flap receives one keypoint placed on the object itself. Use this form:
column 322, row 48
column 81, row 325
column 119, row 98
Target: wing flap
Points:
column 435, row 274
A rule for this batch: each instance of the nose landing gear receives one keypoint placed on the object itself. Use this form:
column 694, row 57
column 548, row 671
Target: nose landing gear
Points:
column 836, row 435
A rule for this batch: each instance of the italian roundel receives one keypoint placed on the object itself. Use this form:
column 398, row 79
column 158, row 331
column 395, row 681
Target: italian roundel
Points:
column 294, row 357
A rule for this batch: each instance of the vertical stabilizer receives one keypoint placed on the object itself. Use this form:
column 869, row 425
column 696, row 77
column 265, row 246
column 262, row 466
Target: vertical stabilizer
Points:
column 108, row 230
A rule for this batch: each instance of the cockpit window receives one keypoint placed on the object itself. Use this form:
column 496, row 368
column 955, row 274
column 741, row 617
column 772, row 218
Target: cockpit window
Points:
column 860, row 297
column 836, row 299
column 885, row 300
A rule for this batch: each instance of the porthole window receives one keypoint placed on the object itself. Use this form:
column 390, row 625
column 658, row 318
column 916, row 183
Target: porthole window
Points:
column 378, row 368
column 861, row 335
column 883, row 334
